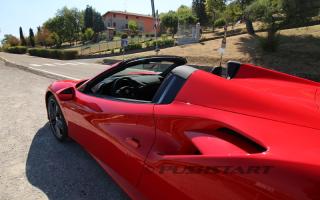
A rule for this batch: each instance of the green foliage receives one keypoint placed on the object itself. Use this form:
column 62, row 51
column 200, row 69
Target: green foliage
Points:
column 220, row 22
column 31, row 37
column 164, row 43
column 22, row 39
column 10, row 40
column 88, row 34
column 170, row 22
column 53, row 53
column 232, row 13
column 147, row 43
column 67, row 24
column 185, row 15
column 214, row 8
column 55, row 39
column 88, row 17
column 134, row 46
column 16, row 49
column 93, row 19
column 133, row 27
column 199, row 9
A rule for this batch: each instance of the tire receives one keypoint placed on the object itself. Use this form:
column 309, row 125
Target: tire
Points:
column 57, row 121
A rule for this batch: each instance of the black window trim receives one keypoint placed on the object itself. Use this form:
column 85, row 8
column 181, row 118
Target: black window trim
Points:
column 174, row 69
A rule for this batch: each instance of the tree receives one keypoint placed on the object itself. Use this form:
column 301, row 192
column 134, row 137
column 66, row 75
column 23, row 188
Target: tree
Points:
column 232, row 13
column 93, row 20
column 185, row 15
column 213, row 8
column 67, row 24
column 246, row 15
column 22, row 39
column 43, row 37
column 56, row 40
column 88, row 17
column 10, row 40
column 31, row 37
column 55, row 25
column 170, row 22
column 199, row 9
column 98, row 24
column 133, row 27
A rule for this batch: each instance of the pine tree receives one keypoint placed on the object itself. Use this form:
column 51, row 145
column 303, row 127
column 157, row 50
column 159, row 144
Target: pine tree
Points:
column 199, row 9
column 22, row 39
column 31, row 37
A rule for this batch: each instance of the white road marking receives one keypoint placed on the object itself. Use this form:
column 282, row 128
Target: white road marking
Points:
column 35, row 65
column 48, row 64
column 55, row 74
column 80, row 63
column 59, row 63
column 71, row 63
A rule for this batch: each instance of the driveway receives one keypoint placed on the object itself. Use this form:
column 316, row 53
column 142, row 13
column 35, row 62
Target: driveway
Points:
column 33, row 165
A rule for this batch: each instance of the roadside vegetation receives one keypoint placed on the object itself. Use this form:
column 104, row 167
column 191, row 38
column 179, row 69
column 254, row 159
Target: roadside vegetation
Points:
column 83, row 31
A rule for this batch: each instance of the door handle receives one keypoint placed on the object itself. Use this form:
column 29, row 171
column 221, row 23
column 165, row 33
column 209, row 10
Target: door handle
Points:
column 133, row 142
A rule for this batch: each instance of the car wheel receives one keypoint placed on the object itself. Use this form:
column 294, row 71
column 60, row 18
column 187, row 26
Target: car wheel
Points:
column 56, row 120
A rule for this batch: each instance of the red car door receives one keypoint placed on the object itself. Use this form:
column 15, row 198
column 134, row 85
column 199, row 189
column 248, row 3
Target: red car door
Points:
column 119, row 134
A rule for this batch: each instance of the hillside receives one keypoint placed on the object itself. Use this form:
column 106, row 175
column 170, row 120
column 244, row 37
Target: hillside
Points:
column 298, row 53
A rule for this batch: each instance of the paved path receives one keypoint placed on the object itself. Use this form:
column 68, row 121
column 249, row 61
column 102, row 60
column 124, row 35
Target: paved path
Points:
column 33, row 165
column 77, row 69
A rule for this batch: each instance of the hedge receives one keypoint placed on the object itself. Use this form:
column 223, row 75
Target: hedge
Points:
column 54, row 53
column 164, row 43
column 16, row 49
column 134, row 46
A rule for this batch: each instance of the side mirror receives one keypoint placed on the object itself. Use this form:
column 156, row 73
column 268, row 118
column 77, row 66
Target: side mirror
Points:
column 66, row 94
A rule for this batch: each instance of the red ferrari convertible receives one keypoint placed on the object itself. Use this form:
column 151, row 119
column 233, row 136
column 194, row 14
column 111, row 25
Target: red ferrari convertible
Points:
column 165, row 130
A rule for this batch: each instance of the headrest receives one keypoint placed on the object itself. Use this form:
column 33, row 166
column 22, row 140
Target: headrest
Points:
column 232, row 69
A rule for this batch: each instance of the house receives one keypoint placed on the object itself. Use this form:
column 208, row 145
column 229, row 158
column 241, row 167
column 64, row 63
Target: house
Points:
column 119, row 21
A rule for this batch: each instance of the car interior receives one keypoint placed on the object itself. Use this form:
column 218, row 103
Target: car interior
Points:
column 138, row 82
column 141, row 80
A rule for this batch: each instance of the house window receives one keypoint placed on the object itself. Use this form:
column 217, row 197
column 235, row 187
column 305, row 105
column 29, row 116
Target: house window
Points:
column 108, row 24
column 137, row 17
column 126, row 26
column 114, row 24
column 127, row 17
column 114, row 15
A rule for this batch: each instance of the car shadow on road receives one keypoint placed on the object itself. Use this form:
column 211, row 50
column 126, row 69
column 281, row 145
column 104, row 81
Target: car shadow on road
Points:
column 66, row 171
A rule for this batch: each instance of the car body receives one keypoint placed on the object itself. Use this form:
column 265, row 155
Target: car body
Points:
column 244, row 133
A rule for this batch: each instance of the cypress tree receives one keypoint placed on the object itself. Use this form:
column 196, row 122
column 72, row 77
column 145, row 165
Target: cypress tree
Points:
column 31, row 37
column 22, row 39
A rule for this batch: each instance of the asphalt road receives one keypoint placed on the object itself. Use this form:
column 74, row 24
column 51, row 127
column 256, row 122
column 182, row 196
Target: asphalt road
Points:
column 33, row 165
column 74, row 69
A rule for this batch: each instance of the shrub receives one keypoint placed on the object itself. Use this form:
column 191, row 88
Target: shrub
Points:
column 220, row 22
column 16, row 50
column 164, row 43
column 53, row 53
column 147, row 43
column 134, row 46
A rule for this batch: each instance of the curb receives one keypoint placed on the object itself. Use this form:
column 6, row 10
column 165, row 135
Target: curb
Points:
column 39, row 72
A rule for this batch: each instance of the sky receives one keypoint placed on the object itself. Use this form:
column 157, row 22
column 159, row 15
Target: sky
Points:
column 32, row 13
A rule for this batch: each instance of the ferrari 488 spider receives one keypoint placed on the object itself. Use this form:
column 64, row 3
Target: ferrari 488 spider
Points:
column 165, row 130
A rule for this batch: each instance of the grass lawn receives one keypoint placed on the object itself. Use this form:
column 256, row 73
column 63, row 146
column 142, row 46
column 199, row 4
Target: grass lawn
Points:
column 298, row 53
